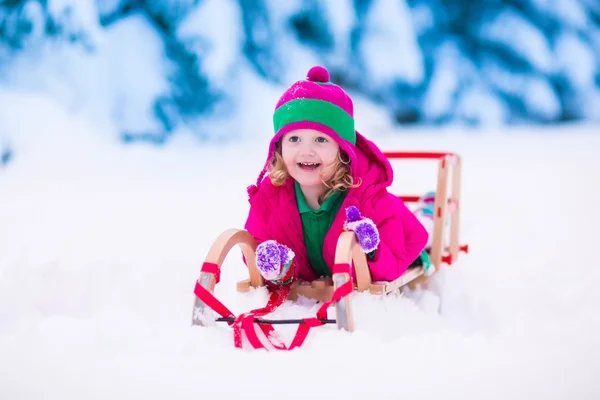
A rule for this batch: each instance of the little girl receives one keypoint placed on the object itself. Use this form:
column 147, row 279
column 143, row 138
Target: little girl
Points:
column 325, row 178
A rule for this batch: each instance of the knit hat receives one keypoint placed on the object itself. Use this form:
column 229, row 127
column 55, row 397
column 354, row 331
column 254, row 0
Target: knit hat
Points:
column 314, row 103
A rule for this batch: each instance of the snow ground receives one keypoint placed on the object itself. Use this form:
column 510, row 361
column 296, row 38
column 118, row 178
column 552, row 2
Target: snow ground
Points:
column 100, row 245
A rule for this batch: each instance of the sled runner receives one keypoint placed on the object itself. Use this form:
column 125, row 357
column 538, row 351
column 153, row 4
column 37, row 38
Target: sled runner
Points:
column 332, row 291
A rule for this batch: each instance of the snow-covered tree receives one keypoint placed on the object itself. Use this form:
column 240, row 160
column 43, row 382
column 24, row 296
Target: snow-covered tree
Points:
column 170, row 65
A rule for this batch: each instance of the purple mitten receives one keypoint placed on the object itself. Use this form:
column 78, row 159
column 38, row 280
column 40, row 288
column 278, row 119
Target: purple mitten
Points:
column 273, row 260
column 365, row 230
column 352, row 214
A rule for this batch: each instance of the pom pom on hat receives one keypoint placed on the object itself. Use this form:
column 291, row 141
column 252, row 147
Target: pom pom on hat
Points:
column 318, row 74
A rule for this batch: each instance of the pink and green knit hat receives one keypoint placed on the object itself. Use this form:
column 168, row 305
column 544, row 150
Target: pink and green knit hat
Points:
column 314, row 103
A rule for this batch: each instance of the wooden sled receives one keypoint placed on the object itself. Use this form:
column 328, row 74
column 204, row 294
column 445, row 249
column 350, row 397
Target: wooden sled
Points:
column 348, row 255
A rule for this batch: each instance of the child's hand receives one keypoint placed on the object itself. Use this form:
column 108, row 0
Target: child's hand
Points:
column 365, row 230
column 274, row 261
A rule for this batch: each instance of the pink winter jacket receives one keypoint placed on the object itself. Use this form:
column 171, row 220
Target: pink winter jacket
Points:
column 274, row 215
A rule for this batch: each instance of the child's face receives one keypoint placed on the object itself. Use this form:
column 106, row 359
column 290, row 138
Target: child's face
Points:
column 306, row 153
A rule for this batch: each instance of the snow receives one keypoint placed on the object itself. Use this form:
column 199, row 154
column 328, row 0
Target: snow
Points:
column 423, row 18
column 532, row 45
column 389, row 47
column 219, row 45
column 567, row 11
column 445, row 82
column 101, row 245
column 108, row 7
column 342, row 20
column 132, row 61
column 117, row 82
column 539, row 98
column 576, row 61
column 479, row 104
column 77, row 17
column 293, row 59
column 32, row 11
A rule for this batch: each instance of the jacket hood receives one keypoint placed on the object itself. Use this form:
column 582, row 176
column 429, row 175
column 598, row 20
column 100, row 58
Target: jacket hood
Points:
column 371, row 165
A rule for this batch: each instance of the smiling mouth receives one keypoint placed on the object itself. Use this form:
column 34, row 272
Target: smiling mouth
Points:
column 309, row 166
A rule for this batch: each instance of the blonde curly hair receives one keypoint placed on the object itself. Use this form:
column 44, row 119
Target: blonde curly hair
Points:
column 337, row 176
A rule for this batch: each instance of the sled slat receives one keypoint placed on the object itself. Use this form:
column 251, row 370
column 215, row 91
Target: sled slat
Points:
column 404, row 279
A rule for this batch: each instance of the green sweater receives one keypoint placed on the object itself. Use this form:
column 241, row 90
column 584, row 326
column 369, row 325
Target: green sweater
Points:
column 316, row 224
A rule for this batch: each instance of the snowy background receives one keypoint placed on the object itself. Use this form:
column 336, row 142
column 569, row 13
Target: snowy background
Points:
column 129, row 131
column 156, row 69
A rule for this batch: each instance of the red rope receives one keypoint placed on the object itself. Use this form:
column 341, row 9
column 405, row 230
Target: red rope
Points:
column 245, row 322
column 211, row 301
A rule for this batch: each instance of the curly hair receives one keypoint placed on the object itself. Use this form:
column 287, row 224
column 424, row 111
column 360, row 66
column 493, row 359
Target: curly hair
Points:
column 336, row 176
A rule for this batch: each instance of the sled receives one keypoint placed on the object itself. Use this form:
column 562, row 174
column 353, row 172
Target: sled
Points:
column 332, row 291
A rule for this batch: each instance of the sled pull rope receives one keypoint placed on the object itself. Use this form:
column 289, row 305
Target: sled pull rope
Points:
column 278, row 321
column 246, row 322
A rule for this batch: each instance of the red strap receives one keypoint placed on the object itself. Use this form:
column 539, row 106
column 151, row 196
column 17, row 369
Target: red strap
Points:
column 211, row 301
column 213, row 269
column 340, row 292
column 276, row 299
column 303, row 329
column 246, row 320
column 341, row 269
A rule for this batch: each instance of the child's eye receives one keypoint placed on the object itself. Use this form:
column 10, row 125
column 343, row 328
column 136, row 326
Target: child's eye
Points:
column 321, row 139
column 294, row 139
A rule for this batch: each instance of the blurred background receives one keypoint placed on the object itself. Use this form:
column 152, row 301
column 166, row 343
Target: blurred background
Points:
column 156, row 69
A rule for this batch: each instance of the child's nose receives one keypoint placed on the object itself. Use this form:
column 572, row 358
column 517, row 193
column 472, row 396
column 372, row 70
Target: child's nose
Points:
column 308, row 149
